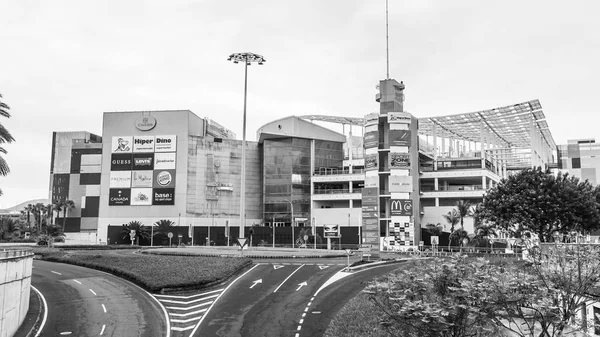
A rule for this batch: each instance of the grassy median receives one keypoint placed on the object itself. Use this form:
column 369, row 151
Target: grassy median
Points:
column 156, row 273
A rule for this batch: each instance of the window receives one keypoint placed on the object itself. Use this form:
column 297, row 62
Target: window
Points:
column 576, row 163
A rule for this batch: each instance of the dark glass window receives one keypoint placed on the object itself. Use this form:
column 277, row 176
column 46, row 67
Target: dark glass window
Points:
column 576, row 163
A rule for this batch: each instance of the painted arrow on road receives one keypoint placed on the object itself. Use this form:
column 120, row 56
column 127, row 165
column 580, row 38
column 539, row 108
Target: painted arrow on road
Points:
column 255, row 283
column 300, row 285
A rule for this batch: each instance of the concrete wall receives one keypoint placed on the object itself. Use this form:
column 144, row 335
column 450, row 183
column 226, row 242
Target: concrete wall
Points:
column 15, row 282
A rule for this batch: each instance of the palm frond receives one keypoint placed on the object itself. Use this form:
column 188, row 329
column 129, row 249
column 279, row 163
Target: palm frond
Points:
column 4, row 169
column 5, row 136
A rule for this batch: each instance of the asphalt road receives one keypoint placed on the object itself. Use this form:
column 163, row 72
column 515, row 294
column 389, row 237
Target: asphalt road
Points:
column 284, row 299
column 86, row 302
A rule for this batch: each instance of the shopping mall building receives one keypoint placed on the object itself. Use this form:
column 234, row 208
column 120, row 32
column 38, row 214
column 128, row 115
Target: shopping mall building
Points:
column 376, row 180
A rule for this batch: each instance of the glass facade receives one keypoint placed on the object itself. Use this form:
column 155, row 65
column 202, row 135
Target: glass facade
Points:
column 287, row 172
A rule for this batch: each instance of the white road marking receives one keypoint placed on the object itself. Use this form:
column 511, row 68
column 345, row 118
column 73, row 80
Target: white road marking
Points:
column 188, row 314
column 297, row 335
column 55, row 272
column 300, row 285
column 191, row 296
column 103, row 327
column 323, row 267
column 221, row 294
column 255, row 283
column 189, row 302
column 183, row 329
column 93, row 292
column 192, row 307
column 287, row 278
column 45, row 311
column 299, row 327
column 303, row 314
column 77, row 281
column 65, row 333
column 277, row 266
column 104, row 308
column 185, row 320
column 301, row 321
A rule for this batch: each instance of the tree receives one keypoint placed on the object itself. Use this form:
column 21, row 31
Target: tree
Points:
column 29, row 209
column 434, row 230
column 141, row 231
column 163, row 227
column 5, row 138
column 463, row 208
column 452, row 218
column 50, row 213
column 537, row 201
column 8, row 228
column 66, row 205
column 38, row 213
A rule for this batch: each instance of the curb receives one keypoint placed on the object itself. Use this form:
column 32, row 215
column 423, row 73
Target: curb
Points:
column 378, row 263
column 250, row 256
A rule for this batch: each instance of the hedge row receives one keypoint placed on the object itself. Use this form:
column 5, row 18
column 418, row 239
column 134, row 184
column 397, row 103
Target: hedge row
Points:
column 97, row 247
column 158, row 273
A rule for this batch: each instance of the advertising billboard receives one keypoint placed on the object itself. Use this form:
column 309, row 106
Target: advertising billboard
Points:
column 372, row 119
column 399, row 160
column 143, row 161
column 371, row 139
column 163, row 196
column 120, row 179
column 371, row 162
column 370, row 196
column 401, row 184
column 401, row 207
column 142, row 169
column 164, row 161
column 143, row 144
column 399, row 117
column 399, row 137
column 121, row 144
column 331, row 231
column 119, row 197
column 165, row 144
column 164, row 178
column 141, row 196
column 120, row 162
column 142, row 179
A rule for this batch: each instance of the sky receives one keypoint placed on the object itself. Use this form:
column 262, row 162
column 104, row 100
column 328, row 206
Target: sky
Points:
column 64, row 63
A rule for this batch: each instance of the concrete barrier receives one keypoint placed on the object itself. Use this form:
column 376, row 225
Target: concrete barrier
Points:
column 15, row 282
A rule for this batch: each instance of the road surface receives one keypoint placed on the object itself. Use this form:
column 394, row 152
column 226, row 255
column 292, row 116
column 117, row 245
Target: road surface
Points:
column 284, row 299
column 86, row 302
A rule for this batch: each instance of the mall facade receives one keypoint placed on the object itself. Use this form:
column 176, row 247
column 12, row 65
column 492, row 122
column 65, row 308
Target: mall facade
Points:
column 377, row 182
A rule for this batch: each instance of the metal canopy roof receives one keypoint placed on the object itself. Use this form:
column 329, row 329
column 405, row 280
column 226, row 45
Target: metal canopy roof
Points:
column 509, row 125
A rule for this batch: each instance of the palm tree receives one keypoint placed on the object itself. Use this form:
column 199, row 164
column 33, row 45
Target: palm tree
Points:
column 38, row 213
column 8, row 227
column 29, row 209
column 163, row 227
column 5, row 137
column 66, row 205
column 464, row 210
column 453, row 219
column 50, row 213
column 141, row 231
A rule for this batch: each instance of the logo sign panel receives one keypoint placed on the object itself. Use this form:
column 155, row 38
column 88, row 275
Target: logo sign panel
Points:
column 141, row 196
column 120, row 179
column 331, row 231
column 143, row 161
column 372, row 182
column 371, row 139
column 372, row 119
column 122, row 144
column 399, row 137
column 145, row 123
column 371, row 162
column 143, row 144
column 120, row 162
column 142, row 179
column 164, row 178
column 165, row 144
column 163, row 196
column 401, row 184
column 164, row 161
column 401, row 207
column 399, row 160
column 119, row 197
column 399, row 117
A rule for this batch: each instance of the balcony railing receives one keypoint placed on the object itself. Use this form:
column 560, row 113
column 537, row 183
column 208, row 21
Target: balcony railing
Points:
column 452, row 188
column 332, row 191
column 326, row 171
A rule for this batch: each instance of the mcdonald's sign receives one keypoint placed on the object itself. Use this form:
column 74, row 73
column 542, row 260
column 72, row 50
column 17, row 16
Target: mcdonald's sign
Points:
column 401, row 207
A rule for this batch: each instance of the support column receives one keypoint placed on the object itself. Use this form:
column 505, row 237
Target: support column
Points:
column 482, row 130
column 483, row 182
column 434, row 134
column 435, row 184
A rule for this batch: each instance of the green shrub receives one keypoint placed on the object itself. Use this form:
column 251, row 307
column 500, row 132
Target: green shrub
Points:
column 158, row 272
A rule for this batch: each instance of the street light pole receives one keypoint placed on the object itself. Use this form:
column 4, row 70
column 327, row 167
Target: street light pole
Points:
column 292, row 217
column 247, row 58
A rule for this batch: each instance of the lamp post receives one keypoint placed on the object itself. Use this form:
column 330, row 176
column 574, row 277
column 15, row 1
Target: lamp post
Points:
column 247, row 58
column 292, row 217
